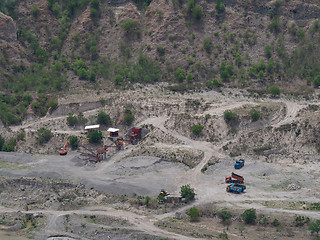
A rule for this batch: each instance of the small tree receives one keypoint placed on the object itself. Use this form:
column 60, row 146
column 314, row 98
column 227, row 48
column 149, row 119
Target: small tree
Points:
column 196, row 129
column 194, row 214
column 74, row 142
column 103, row 118
column 249, row 215
column 43, row 135
column 314, row 227
column 187, row 192
column 95, row 136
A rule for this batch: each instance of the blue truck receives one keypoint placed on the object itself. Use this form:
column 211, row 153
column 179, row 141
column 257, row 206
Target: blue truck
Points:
column 236, row 188
column 239, row 164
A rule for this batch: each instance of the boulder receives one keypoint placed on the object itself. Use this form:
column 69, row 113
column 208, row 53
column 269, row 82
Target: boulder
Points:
column 8, row 28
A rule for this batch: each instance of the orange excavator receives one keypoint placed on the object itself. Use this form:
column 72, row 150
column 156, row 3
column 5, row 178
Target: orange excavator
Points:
column 63, row 150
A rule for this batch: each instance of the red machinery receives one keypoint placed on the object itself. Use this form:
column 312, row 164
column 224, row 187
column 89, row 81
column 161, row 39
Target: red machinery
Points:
column 135, row 135
column 237, row 178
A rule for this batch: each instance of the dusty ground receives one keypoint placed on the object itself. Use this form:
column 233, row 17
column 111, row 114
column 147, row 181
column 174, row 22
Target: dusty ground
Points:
column 170, row 156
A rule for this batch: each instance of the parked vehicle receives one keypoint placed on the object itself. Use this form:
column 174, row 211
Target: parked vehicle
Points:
column 239, row 164
column 236, row 188
column 234, row 178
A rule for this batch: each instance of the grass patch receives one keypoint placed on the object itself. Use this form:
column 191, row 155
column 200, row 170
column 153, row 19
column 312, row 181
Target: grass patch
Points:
column 12, row 166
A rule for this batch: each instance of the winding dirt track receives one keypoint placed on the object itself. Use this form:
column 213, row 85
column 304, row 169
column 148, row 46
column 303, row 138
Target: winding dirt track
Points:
column 193, row 177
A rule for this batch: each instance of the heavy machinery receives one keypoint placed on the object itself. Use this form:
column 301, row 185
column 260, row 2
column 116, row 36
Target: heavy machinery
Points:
column 235, row 188
column 135, row 135
column 237, row 178
column 63, row 150
column 91, row 155
column 163, row 193
column 239, row 164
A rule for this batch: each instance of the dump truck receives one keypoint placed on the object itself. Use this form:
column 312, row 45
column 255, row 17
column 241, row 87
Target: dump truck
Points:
column 236, row 188
column 234, row 178
column 239, row 164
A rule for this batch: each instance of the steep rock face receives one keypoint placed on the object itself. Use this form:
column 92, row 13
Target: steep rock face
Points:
column 8, row 29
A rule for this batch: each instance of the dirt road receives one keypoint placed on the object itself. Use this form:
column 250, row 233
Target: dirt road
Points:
column 122, row 174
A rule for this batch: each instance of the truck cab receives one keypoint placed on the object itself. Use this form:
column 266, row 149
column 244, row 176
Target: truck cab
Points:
column 239, row 164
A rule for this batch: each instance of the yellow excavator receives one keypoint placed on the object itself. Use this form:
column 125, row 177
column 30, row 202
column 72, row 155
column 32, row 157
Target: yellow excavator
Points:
column 63, row 150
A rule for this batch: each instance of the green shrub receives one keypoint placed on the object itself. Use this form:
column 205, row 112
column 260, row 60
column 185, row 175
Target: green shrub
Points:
column 21, row 136
column 194, row 214
column 189, row 77
column 226, row 70
column 220, row 7
column 190, row 5
column 197, row 12
column 117, row 80
column 43, row 135
column 255, row 115
column 223, row 235
column 187, row 192
column 103, row 118
column 301, row 34
column 249, row 215
column 275, row 25
column 314, row 227
column 12, row 141
column 147, row 201
column 72, row 120
column 35, row 10
column 27, row 99
column 180, row 74
column 268, row 51
column 207, row 45
column 128, row 24
column 216, row 83
column 128, row 117
column 8, row 148
column 161, row 50
column 276, row 222
column 316, row 81
column 53, row 104
column 196, row 129
column 229, row 116
column 261, row 74
column 1, row 142
column 74, row 142
column 274, row 91
column 95, row 136
column 94, row 8
column 224, row 215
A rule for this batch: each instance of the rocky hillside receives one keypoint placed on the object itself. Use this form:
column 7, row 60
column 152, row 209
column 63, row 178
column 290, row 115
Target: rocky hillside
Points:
column 53, row 46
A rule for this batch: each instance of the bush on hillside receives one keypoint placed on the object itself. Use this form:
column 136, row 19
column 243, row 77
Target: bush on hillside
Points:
column 43, row 135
